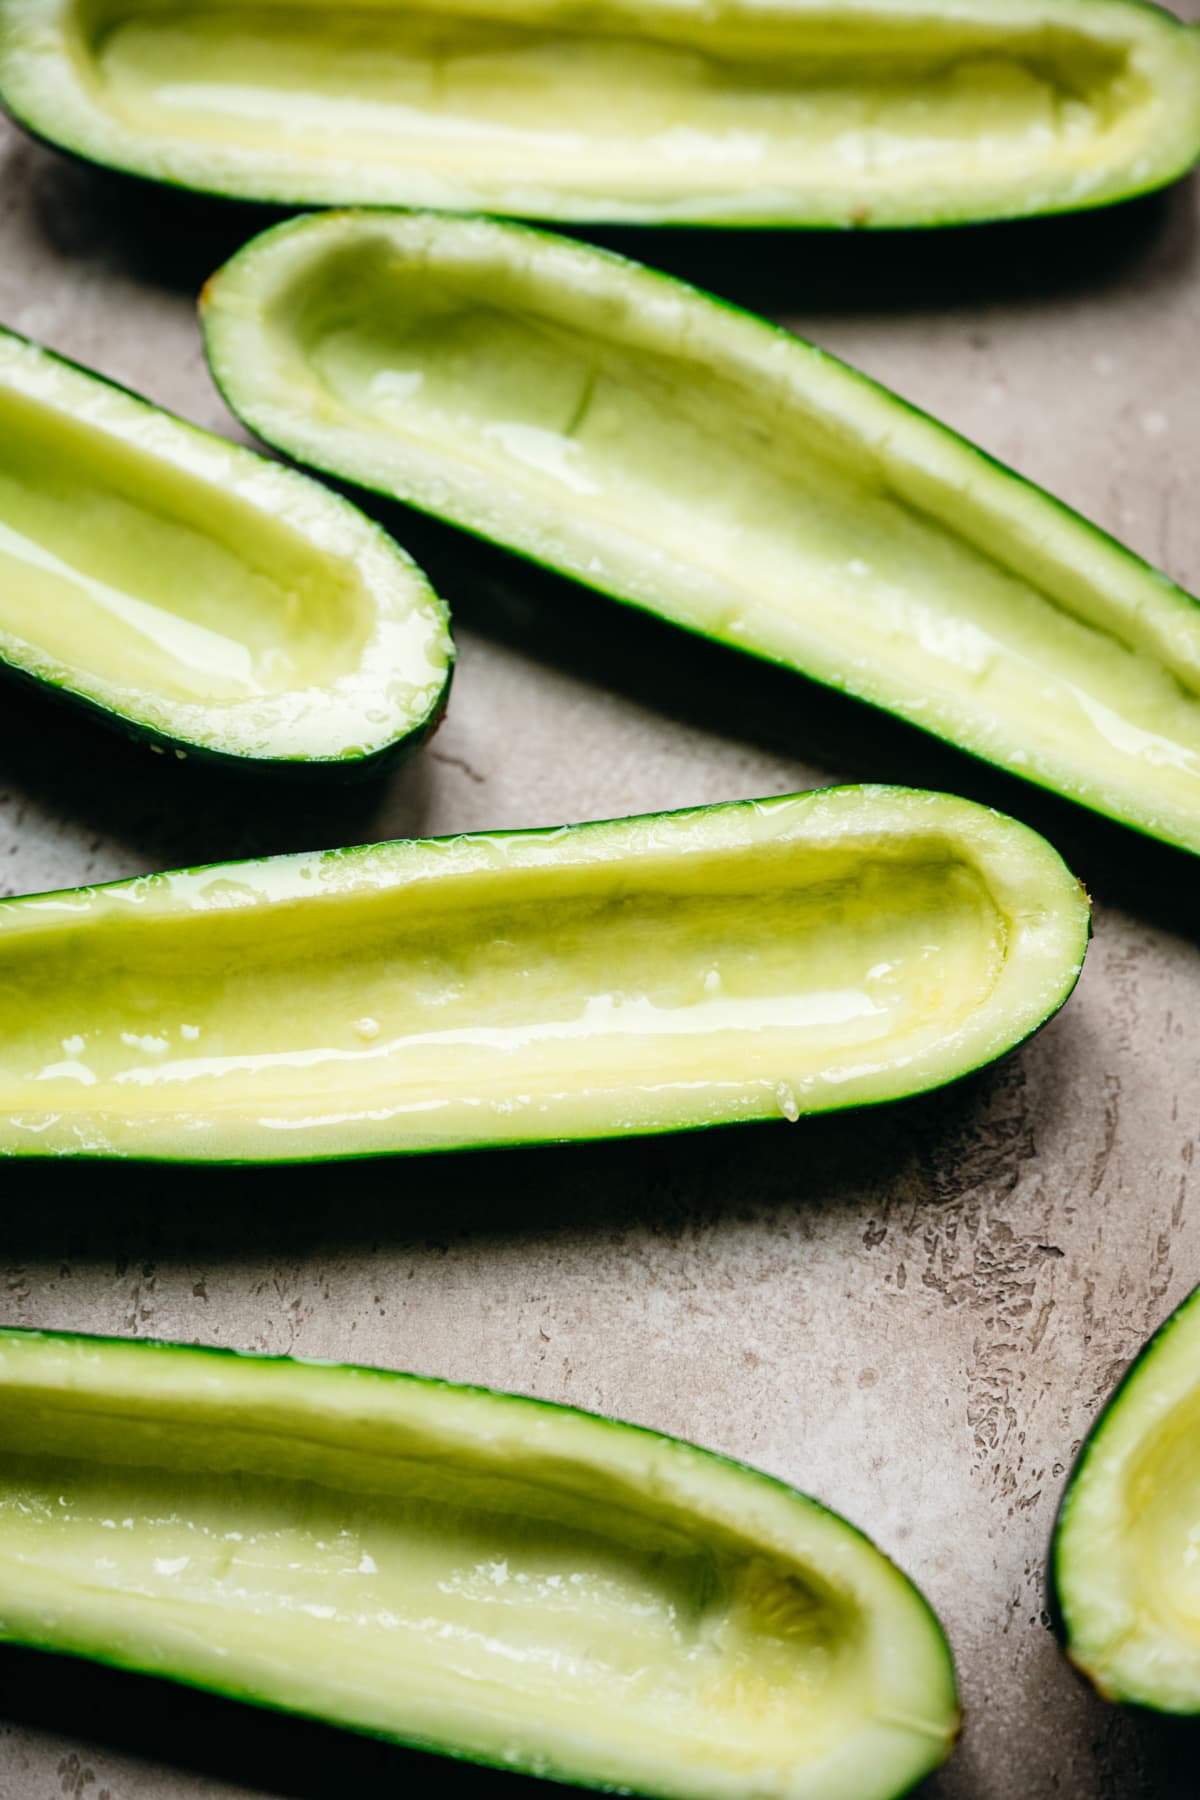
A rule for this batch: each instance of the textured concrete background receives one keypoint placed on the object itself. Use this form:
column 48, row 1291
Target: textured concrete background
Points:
column 913, row 1314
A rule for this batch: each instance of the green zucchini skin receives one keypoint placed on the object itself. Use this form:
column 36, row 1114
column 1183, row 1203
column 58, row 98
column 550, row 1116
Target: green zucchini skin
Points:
column 357, row 1503
column 1094, row 1575
column 808, row 114
column 684, row 457
column 757, row 960
column 121, row 523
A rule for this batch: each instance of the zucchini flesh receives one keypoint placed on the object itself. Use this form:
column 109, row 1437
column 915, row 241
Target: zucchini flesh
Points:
column 194, row 593
column 695, row 461
column 794, row 112
column 1124, row 1569
column 495, row 1577
column 740, row 962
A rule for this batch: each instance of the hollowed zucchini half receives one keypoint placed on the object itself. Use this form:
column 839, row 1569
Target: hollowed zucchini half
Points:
column 736, row 112
column 757, row 960
column 191, row 592
column 695, row 461
column 470, row 1572
column 1124, row 1564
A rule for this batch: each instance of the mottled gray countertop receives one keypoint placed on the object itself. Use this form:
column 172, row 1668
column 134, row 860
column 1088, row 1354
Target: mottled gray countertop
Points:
column 913, row 1314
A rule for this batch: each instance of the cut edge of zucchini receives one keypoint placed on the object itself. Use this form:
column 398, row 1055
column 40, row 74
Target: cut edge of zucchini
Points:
column 679, row 1006
column 1092, row 104
column 140, row 546
column 807, row 1603
column 1124, row 1600
column 473, row 473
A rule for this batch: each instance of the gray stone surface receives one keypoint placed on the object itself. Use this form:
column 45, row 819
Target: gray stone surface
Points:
column 913, row 1315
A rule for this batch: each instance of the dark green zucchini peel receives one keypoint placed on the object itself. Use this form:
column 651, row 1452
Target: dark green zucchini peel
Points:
column 695, row 461
column 752, row 961
column 733, row 112
column 191, row 592
column 470, row 1572
column 1125, row 1562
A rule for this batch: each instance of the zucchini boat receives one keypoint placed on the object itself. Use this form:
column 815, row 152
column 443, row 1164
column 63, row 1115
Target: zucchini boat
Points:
column 189, row 591
column 1124, row 1566
column 470, row 1572
column 706, row 466
column 734, row 112
column 749, row 961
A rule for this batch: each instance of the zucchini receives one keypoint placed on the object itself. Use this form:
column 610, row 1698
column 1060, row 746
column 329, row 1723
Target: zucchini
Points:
column 699, row 463
column 470, row 1572
column 731, row 112
column 190, row 592
column 749, row 961
column 1125, row 1582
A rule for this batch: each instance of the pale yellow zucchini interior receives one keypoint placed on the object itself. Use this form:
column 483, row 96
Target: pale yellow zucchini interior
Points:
column 385, row 1584
column 632, row 104
column 476, row 1572
column 792, row 963
column 123, row 574
column 1127, row 1551
column 1161, row 1498
column 678, row 455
